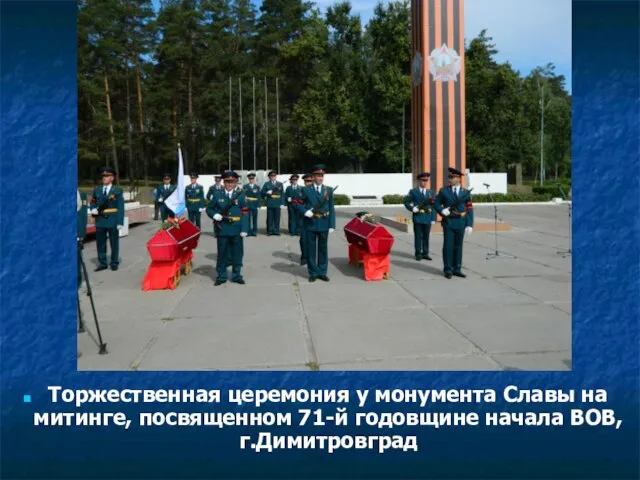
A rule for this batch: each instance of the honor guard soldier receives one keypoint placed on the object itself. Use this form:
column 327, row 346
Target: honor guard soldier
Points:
column 164, row 191
column 82, row 229
column 107, row 207
column 308, row 181
column 320, row 221
column 453, row 203
column 293, row 193
column 231, row 224
column 194, row 196
column 215, row 188
column 420, row 201
column 273, row 192
column 254, row 198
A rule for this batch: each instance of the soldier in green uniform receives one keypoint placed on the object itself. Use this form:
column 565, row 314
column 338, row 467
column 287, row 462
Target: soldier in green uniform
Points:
column 107, row 207
column 82, row 229
column 215, row 188
column 194, row 197
column 254, row 198
column 453, row 203
column 299, row 204
column 231, row 224
column 419, row 201
column 164, row 191
column 293, row 194
column 320, row 221
column 273, row 192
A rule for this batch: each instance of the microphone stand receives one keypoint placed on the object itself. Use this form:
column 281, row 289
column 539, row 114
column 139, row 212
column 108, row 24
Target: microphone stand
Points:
column 102, row 345
column 566, row 253
column 496, row 254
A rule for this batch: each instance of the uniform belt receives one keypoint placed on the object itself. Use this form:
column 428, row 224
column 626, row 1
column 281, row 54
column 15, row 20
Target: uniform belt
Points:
column 275, row 196
column 298, row 202
column 252, row 198
column 110, row 210
column 320, row 215
column 457, row 215
column 193, row 199
column 235, row 219
column 428, row 210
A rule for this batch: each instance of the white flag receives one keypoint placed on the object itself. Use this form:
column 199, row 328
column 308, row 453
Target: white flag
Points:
column 176, row 202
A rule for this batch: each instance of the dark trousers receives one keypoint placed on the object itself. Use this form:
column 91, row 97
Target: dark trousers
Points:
column 253, row 221
column 273, row 220
column 194, row 217
column 317, row 253
column 452, row 249
column 114, row 243
column 293, row 221
column 230, row 251
column 164, row 212
column 421, row 233
column 156, row 210
column 303, row 245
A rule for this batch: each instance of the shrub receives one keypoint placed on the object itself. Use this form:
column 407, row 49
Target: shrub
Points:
column 513, row 197
column 393, row 199
column 341, row 199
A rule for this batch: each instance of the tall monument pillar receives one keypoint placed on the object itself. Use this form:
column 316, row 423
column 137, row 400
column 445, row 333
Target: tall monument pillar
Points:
column 438, row 93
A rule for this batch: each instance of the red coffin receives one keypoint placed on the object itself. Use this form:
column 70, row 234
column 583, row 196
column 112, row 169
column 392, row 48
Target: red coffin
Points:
column 371, row 238
column 171, row 244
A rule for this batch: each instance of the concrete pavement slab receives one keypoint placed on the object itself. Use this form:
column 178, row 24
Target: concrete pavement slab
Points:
column 378, row 332
column 512, row 328
column 227, row 341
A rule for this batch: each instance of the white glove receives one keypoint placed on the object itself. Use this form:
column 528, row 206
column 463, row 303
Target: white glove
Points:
column 433, row 223
column 331, row 230
column 468, row 230
column 446, row 212
column 160, row 200
column 269, row 192
column 120, row 227
column 308, row 213
column 243, row 234
column 94, row 211
column 201, row 210
column 289, row 199
column 415, row 209
column 217, row 217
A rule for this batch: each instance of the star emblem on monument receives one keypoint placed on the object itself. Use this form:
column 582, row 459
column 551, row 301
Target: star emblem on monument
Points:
column 444, row 64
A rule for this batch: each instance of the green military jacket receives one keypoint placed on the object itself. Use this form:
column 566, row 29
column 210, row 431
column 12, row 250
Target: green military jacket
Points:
column 194, row 197
column 461, row 208
column 110, row 208
column 425, row 203
column 234, row 212
column 253, row 195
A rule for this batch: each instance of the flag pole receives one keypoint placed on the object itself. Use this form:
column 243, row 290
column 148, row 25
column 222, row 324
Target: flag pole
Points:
column 254, row 124
column 278, row 121
column 230, row 127
column 266, row 125
column 241, row 138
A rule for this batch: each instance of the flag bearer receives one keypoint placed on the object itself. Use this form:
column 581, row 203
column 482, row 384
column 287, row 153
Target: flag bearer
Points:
column 164, row 191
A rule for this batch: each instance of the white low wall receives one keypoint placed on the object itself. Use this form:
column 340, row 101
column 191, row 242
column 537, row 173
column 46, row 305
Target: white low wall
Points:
column 377, row 184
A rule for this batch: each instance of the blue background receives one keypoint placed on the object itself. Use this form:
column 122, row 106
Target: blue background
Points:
column 38, row 311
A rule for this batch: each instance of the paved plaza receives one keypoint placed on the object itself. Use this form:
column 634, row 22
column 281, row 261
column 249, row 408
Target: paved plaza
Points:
column 508, row 314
